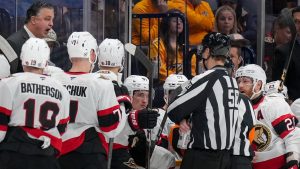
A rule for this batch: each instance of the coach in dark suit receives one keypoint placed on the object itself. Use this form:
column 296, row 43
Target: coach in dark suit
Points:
column 39, row 20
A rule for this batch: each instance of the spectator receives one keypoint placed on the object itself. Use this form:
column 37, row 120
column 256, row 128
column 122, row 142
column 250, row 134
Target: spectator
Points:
column 169, row 47
column 141, row 31
column 296, row 17
column 225, row 20
column 39, row 21
column 237, row 43
column 283, row 52
column 283, row 32
column 246, row 23
column 199, row 16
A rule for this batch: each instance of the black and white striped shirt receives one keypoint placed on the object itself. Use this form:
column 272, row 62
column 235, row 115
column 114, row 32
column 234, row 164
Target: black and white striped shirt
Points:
column 241, row 145
column 211, row 100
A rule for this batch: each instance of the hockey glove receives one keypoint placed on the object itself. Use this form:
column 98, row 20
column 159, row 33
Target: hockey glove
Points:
column 293, row 164
column 143, row 119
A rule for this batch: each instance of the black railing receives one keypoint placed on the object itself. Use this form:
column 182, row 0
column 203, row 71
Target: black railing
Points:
column 146, row 46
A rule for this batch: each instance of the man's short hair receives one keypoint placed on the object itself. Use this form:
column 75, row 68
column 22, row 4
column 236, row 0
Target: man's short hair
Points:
column 35, row 8
column 296, row 9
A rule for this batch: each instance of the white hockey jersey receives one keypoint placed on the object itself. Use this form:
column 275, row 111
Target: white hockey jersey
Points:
column 36, row 103
column 275, row 133
column 121, row 140
column 166, row 129
column 93, row 104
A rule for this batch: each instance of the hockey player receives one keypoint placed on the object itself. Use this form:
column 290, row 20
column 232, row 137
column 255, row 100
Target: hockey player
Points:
column 161, row 158
column 93, row 109
column 273, row 88
column 277, row 141
column 170, row 132
column 295, row 106
column 138, row 88
column 111, row 58
column 171, row 83
column 34, row 111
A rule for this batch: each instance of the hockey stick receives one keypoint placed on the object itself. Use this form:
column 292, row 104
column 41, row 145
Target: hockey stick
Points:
column 110, row 151
column 141, row 56
column 171, row 98
column 9, row 53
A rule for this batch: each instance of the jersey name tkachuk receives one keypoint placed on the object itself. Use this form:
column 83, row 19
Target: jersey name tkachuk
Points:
column 93, row 101
column 76, row 90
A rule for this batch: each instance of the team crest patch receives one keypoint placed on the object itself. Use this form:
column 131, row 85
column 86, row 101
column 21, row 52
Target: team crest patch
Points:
column 262, row 138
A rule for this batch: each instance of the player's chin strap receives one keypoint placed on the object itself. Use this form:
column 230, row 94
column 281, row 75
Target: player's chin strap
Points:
column 255, row 94
column 119, row 78
column 92, row 66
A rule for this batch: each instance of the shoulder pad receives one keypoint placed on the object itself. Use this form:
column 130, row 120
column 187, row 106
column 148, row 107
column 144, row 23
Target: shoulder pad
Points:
column 122, row 95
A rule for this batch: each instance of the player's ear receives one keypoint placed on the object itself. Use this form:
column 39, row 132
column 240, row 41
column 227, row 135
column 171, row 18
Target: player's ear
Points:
column 93, row 56
column 258, row 86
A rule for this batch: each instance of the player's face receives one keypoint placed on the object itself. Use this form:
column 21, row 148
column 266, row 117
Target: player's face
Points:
column 43, row 22
column 140, row 99
column 245, row 86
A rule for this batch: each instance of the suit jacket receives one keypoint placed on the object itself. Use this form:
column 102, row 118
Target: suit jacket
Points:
column 16, row 40
column 293, row 74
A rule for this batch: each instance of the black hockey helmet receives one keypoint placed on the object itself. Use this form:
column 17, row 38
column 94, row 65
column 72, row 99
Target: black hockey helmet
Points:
column 218, row 44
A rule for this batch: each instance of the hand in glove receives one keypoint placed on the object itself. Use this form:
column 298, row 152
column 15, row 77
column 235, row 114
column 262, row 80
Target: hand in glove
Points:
column 293, row 164
column 46, row 141
column 143, row 119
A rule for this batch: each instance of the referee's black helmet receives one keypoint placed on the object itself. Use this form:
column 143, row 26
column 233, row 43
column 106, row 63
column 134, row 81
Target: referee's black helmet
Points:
column 218, row 44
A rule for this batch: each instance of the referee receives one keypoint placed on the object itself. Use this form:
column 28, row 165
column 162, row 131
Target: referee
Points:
column 242, row 153
column 210, row 100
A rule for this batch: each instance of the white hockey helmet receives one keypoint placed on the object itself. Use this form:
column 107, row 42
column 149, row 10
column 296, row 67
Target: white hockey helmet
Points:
column 5, row 67
column 111, row 53
column 256, row 73
column 173, row 81
column 273, row 88
column 136, row 82
column 80, row 45
column 35, row 53
column 295, row 107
